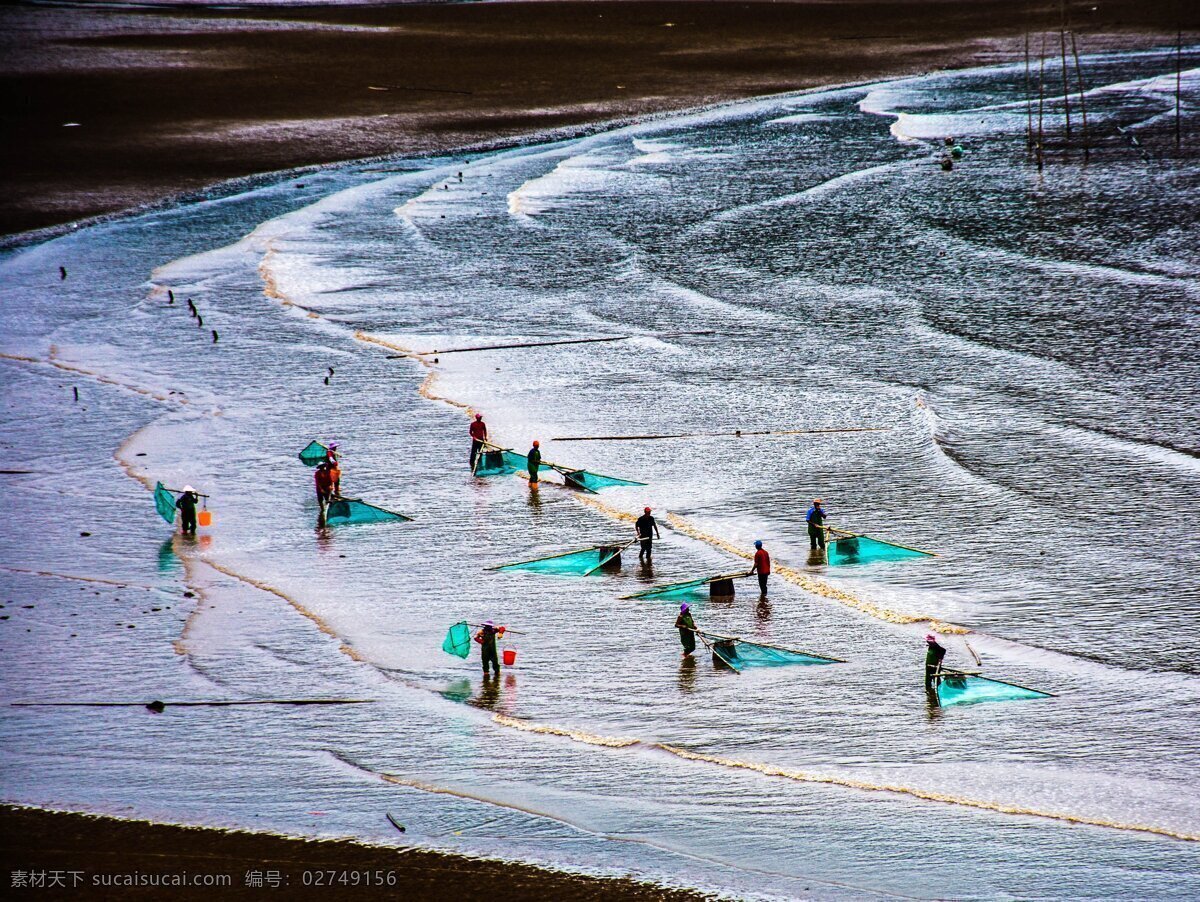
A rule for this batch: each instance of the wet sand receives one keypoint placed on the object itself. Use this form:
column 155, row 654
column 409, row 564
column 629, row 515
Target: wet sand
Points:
column 97, row 848
column 107, row 109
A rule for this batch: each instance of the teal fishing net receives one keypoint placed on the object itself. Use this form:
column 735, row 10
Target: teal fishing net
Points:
column 164, row 503
column 351, row 510
column 570, row 563
column 739, row 654
column 313, row 453
column 458, row 640
column 963, row 689
column 683, row 589
column 593, row 482
column 499, row 462
column 865, row 550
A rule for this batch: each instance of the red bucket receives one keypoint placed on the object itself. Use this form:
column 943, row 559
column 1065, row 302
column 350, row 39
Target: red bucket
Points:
column 510, row 657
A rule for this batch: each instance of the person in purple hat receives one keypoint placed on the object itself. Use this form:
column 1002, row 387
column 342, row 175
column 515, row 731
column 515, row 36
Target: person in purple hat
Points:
column 687, row 629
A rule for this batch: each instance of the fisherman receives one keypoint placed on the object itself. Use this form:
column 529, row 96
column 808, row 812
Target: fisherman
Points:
column 762, row 566
column 478, row 437
column 335, row 477
column 645, row 525
column 816, row 524
column 934, row 653
column 533, row 462
column 324, row 483
column 687, row 629
column 486, row 637
column 187, row 510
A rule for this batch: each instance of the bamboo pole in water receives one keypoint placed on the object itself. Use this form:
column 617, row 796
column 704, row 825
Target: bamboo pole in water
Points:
column 1082, row 101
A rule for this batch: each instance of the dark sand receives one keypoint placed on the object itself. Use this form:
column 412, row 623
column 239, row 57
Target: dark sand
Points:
column 44, row 841
column 171, row 100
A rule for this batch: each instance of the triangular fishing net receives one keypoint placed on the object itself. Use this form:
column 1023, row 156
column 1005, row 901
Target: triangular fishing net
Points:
column 500, row 462
column 967, row 689
column 593, row 482
column 458, row 640
column 352, row 510
column 569, row 563
column 683, row 589
column 164, row 503
column 865, row 550
column 739, row 654
column 313, row 453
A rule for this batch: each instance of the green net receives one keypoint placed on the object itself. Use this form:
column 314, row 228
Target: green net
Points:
column 739, row 654
column 313, row 453
column 164, row 503
column 352, row 510
column 865, row 550
column 500, row 462
column 570, row 563
column 966, row 689
column 458, row 640
column 686, row 588
column 593, row 482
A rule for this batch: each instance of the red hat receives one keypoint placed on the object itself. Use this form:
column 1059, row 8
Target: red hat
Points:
column 537, row 444
column 647, row 510
column 479, row 416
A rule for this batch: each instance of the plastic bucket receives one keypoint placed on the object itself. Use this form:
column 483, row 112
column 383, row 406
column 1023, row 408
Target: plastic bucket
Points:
column 510, row 657
column 205, row 518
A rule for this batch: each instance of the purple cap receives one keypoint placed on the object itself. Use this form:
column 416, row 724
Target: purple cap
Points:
column 930, row 638
column 683, row 608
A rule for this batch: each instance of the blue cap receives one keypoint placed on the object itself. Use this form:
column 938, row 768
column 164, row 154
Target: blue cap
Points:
column 758, row 543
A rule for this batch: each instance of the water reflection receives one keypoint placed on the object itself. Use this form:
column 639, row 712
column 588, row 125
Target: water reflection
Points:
column 168, row 562
column 535, row 497
column 489, row 693
column 324, row 540
column 687, row 674
column 763, row 610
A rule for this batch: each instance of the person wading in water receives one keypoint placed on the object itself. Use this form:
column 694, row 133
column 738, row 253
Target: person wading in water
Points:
column 816, row 524
column 762, row 566
column 646, row 528
column 687, row 630
column 486, row 637
column 478, row 437
column 534, row 462
column 187, row 510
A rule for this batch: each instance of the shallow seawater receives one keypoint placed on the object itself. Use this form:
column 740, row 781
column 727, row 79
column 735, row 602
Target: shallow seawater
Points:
column 1022, row 346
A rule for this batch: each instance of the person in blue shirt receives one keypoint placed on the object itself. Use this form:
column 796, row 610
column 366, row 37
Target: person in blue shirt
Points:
column 816, row 524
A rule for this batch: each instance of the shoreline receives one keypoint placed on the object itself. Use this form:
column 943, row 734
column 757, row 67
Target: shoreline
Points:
column 128, row 108
column 104, row 846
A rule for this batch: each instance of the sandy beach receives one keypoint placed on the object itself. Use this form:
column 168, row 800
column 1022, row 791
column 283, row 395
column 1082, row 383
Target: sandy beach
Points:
column 110, row 108
column 89, row 852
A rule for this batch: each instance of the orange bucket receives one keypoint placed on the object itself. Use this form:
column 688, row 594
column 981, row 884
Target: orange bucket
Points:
column 205, row 518
column 510, row 657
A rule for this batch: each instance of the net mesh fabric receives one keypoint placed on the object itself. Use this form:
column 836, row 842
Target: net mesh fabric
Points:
column 500, row 462
column 594, row 481
column 963, row 689
column 458, row 640
column 313, row 453
column 164, row 503
column 865, row 550
column 675, row 590
column 572, row 563
column 739, row 654
column 351, row 511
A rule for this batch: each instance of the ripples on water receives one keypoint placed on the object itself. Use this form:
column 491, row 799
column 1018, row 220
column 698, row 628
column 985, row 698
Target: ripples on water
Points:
column 1028, row 343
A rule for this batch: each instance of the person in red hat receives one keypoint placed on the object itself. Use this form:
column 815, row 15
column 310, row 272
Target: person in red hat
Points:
column 646, row 528
column 478, row 437
column 533, row 462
